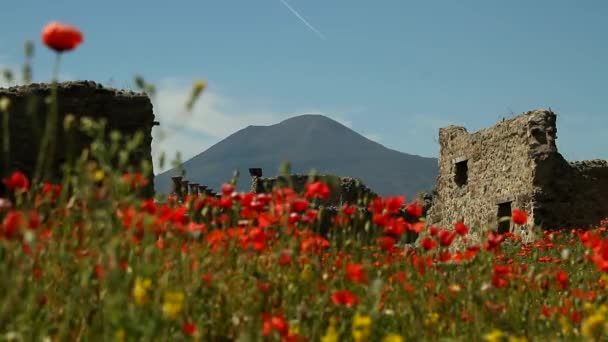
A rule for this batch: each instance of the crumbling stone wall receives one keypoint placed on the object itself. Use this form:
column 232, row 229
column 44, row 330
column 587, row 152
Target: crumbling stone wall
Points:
column 344, row 190
column 125, row 111
column 182, row 187
column 515, row 165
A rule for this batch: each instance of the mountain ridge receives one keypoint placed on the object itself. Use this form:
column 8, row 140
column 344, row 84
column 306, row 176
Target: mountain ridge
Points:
column 308, row 141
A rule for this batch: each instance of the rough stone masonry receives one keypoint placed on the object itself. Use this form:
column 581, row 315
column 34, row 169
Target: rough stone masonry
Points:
column 125, row 111
column 343, row 190
column 515, row 165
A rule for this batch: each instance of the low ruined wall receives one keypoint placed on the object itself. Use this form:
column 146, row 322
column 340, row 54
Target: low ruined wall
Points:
column 124, row 111
column 343, row 189
column 572, row 194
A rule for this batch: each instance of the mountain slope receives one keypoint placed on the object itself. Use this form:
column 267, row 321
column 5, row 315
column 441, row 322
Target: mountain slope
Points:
column 308, row 141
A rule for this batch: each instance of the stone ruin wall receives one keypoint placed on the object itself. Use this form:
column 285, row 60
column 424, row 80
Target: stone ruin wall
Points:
column 516, row 161
column 344, row 190
column 498, row 171
column 575, row 194
column 125, row 111
column 180, row 188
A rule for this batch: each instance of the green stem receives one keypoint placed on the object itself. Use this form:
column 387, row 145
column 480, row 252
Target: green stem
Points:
column 6, row 142
column 47, row 146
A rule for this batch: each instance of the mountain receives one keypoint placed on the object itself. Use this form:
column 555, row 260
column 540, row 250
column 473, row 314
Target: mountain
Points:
column 308, row 141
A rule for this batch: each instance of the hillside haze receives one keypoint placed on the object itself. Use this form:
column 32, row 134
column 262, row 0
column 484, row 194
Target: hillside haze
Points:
column 308, row 141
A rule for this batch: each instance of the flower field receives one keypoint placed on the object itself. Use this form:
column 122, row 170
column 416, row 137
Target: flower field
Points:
column 91, row 259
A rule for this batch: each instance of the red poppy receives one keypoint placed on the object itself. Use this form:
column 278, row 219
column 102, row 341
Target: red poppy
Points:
column 416, row 227
column 61, row 37
column 395, row 226
column 600, row 256
column 207, row 278
column 428, row 243
column 494, row 240
column 189, row 329
column 11, row 224
column 310, row 216
column 34, row 220
column 54, row 189
column 446, row 237
column 414, row 210
column 344, row 298
column 355, row 273
column 299, row 205
column 519, row 217
column 499, row 282
column 285, row 258
column 562, row 280
column 100, row 271
column 134, row 180
column 445, row 256
column 227, row 189
column 276, row 322
column 349, row 209
column 386, row 243
column 393, row 204
column 461, row 228
column 17, row 181
column 317, row 189
column 149, row 206
column 380, row 219
column 314, row 244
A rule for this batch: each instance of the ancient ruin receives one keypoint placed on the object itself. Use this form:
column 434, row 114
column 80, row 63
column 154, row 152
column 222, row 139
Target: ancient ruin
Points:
column 344, row 190
column 182, row 187
column 125, row 111
column 515, row 165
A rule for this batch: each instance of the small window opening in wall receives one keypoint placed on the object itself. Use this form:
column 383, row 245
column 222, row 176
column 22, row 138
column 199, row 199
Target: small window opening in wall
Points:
column 539, row 135
column 461, row 173
column 504, row 217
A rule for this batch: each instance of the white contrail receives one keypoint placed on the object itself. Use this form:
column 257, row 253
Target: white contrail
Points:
column 321, row 35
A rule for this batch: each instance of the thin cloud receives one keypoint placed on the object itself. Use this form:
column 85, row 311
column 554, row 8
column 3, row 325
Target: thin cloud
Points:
column 312, row 28
column 215, row 117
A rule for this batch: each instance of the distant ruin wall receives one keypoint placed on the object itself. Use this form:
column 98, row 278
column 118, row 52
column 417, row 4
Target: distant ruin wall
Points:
column 344, row 190
column 515, row 165
column 571, row 194
column 124, row 111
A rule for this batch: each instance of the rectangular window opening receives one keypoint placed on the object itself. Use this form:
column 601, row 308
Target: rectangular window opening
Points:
column 504, row 217
column 461, row 173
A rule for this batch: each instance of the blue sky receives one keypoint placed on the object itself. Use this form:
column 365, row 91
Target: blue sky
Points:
column 393, row 70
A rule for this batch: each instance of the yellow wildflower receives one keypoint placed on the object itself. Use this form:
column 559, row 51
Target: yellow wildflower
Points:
column 306, row 273
column 120, row 335
column 197, row 89
column 331, row 335
column 431, row 319
column 294, row 328
column 494, row 336
column 4, row 103
column 361, row 328
column 593, row 327
column 392, row 338
column 174, row 304
column 199, row 86
column 564, row 322
column 98, row 175
column 140, row 290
